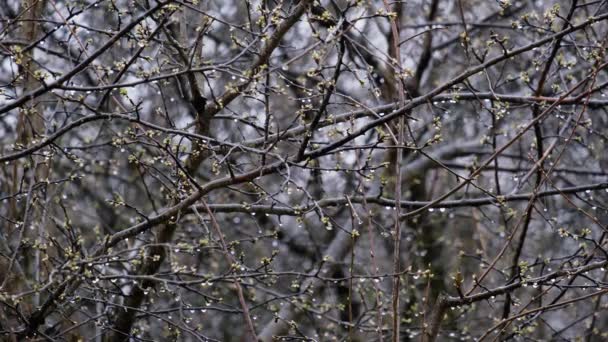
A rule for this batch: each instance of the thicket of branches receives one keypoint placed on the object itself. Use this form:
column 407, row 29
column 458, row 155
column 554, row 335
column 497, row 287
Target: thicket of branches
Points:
column 303, row 170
